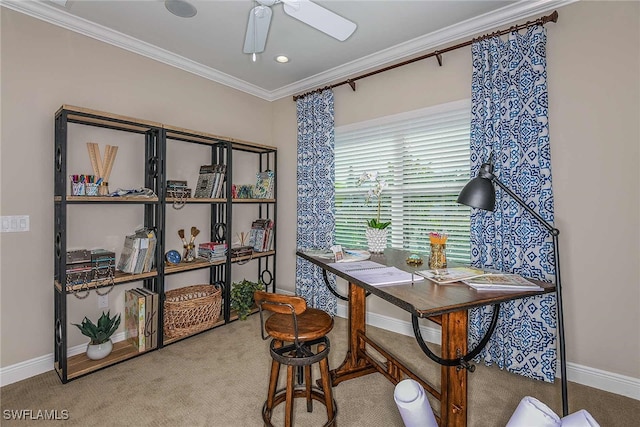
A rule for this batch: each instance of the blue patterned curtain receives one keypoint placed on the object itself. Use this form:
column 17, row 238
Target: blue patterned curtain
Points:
column 510, row 123
column 316, row 194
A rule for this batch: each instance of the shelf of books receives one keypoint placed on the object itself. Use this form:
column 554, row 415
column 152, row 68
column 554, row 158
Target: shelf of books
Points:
column 239, row 178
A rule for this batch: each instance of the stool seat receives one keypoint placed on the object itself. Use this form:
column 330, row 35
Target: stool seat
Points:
column 312, row 324
column 298, row 340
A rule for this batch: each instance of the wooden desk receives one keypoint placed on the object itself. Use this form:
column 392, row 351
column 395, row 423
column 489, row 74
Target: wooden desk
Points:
column 444, row 305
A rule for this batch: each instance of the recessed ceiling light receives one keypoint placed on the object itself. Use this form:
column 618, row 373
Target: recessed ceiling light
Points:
column 181, row 8
column 282, row 59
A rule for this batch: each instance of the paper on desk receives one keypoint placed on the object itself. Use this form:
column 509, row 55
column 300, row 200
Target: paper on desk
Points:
column 376, row 274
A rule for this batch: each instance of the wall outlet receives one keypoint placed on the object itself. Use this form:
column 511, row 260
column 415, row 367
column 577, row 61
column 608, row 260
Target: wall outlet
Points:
column 103, row 301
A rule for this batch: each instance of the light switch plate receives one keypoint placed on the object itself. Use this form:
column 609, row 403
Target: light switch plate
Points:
column 13, row 224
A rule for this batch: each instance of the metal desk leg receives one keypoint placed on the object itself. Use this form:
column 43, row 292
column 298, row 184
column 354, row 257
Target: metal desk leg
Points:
column 454, row 379
column 354, row 365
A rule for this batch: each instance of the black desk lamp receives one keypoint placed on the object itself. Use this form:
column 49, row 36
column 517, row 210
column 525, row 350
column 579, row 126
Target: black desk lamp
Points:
column 480, row 193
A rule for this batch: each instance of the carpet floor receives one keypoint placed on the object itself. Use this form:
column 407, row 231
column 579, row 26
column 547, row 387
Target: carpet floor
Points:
column 219, row 378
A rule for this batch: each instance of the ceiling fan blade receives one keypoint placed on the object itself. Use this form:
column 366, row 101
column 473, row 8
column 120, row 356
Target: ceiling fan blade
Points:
column 257, row 29
column 320, row 18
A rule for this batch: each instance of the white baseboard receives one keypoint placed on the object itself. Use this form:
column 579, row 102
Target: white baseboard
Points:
column 40, row 365
column 596, row 378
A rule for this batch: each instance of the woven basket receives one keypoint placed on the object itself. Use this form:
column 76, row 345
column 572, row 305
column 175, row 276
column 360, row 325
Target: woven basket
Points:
column 191, row 309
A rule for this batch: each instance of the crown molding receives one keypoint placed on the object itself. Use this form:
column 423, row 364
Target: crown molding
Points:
column 483, row 23
column 58, row 17
column 420, row 45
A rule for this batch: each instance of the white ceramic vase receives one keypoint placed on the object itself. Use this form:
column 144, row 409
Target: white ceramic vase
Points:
column 376, row 239
column 99, row 351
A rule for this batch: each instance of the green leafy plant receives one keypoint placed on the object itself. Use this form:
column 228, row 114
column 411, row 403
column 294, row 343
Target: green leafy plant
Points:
column 375, row 191
column 101, row 332
column 242, row 296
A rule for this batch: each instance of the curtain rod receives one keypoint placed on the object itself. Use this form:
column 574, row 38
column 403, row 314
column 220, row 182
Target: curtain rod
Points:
column 437, row 53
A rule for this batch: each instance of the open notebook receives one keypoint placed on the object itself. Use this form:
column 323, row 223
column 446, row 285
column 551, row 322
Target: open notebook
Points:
column 376, row 274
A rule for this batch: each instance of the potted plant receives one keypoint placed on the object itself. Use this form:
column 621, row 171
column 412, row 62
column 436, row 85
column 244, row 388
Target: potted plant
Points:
column 242, row 296
column 100, row 345
column 376, row 230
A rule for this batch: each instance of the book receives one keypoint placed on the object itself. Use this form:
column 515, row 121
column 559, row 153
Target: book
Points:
column 502, row 282
column 129, row 254
column 142, row 316
column 261, row 235
column 375, row 274
column 450, row 275
column 264, row 185
column 134, row 316
column 151, row 318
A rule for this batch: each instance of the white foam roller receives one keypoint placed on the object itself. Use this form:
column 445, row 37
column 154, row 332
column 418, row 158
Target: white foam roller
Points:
column 532, row 412
column 413, row 404
column 579, row 418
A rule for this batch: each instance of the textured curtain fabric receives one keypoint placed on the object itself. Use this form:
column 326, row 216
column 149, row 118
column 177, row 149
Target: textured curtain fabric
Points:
column 510, row 123
column 316, row 195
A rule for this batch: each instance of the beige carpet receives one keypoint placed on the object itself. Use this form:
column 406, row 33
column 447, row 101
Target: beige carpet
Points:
column 219, row 378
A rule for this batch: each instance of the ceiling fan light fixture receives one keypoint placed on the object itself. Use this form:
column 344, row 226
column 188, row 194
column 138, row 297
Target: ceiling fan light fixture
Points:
column 282, row 59
column 181, row 8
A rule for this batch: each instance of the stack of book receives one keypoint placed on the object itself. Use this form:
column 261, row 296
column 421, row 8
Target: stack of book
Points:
column 178, row 189
column 141, row 318
column 210, row 181
column 261, row 235
column 138, row 252
column 482, row 280
column 213, row 251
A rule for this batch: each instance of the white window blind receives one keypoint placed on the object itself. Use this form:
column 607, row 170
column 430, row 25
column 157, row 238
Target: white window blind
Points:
column 423, row 155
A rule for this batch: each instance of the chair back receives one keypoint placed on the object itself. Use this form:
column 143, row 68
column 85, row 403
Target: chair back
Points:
column 280, row 305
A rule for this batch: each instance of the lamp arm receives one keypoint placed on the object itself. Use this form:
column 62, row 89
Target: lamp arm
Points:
column 561, row 339
column 554, row 231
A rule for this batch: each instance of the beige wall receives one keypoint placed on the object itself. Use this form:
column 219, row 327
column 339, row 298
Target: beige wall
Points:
column 43, row 67
column 594, row 96
column 593, row 67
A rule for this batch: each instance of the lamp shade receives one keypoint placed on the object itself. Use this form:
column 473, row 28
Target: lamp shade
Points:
column 478, row 193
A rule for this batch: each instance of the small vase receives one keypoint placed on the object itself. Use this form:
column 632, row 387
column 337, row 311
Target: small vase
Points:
column 438, row 257
column 99, row 351
column 376, row 239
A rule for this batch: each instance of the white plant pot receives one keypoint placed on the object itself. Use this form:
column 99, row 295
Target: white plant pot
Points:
column 99, row 351
column 376, row 239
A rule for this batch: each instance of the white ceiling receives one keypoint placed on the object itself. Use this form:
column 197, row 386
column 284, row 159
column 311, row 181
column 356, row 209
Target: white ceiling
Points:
column 210, row 44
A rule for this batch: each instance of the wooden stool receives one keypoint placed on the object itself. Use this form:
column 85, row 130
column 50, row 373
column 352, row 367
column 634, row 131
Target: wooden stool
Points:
column 295, row 329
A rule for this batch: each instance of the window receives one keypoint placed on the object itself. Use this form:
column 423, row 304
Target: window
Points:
column 423, row 155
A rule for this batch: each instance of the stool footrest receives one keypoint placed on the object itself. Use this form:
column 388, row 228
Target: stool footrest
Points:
column 281, row 396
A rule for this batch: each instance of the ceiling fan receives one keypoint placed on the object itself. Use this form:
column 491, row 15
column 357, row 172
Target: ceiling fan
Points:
column 306, row 11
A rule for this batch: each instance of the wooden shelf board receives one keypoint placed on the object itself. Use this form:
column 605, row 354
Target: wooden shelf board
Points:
column 194, row 200
column 108, row 119
column 119, row 278
column 254, row 255
column 172, row 340
column 186, row 266
column 253, row 200
column 115, row 199
column 174, row 132
column 80, row 364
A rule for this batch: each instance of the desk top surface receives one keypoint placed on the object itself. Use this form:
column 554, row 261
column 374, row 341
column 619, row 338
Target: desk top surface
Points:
column 425, row 298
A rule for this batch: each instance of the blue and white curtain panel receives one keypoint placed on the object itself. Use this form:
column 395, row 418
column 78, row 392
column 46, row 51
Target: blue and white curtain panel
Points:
column 316, row 195
column 509, row 123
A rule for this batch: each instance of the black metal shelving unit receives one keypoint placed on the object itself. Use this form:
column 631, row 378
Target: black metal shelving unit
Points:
column 153, row 211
